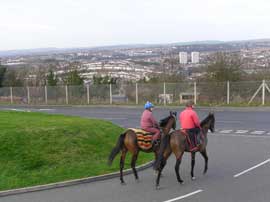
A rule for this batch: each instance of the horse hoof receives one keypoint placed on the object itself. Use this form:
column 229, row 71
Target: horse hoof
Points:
column 157, row 187
column 181, row 182
column 193, row 178
column 123, row 183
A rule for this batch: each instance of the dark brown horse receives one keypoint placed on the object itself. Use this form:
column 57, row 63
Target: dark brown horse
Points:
column 177, row 143
column 127, row 141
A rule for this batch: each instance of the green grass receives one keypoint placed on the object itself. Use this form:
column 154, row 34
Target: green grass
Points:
column 38, row 148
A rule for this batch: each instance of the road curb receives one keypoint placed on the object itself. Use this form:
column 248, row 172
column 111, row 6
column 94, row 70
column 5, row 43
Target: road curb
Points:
column 72, row 182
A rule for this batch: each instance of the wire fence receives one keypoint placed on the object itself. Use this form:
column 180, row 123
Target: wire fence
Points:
column 203, row 93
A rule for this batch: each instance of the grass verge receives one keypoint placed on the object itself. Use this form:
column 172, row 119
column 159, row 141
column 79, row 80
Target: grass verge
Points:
column 39, row 148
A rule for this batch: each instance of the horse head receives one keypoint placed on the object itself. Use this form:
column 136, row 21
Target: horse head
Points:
column 169, row 122
column 209, row 123
column 212, row 122
column 173, row 114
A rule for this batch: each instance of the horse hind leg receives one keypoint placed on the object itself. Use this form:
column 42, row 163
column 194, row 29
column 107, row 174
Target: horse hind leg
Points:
column 176, row 167
column 205, row 156
column 192, row 165
column 162, row 165
column 122, row 163
column 163, row 162
column 133, row 165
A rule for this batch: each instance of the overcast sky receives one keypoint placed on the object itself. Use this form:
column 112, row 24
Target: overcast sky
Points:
column 85, row 23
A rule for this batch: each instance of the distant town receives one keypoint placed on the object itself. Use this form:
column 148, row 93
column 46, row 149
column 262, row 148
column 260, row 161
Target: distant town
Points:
column 137, row 62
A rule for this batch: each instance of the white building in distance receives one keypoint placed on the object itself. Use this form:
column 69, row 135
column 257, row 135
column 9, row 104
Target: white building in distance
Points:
column 183, row 59
column 195, row 57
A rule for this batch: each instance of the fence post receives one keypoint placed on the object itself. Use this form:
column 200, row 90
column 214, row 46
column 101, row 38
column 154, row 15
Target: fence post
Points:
column 88, row 94
column 46, row 95
column 66, row 94
column 110, row 93
column 195, row 93
column 164, row 93
column 228, row 92
column 263, row 92
column 11, row 95
column 137, row 100
column 28, row 95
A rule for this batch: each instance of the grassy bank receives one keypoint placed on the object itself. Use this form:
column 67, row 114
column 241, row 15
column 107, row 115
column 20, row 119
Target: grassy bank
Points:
column 40, row 148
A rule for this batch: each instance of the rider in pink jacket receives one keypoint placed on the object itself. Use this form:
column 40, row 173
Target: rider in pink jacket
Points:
column 149, row 123
column 189, row 121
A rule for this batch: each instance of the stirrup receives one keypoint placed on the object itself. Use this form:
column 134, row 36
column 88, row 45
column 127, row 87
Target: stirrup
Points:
column 155, row 142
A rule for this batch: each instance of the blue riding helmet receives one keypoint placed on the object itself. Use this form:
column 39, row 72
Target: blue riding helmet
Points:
column 148, row 105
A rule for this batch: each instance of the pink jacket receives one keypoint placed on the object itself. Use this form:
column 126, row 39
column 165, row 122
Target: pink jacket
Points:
column 189, row 119
column 148, row 120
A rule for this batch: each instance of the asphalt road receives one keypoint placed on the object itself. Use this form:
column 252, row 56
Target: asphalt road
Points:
column 239, row 163
column 226, row 118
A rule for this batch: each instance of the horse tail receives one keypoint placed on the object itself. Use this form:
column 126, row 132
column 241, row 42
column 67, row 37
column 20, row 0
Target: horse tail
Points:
column 119, row 145
column 164, row 144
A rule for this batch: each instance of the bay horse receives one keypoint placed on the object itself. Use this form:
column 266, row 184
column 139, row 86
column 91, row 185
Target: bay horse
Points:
column 127, row 141
column 177, row 143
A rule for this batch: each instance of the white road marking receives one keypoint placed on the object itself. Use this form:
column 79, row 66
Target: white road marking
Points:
column 237, row 135
column 46, row 109
column 21, row 110
column 252, row 168
column 229, row 121
column 241, row 131
column 237, row 131
column 258, row 132
column 184, row 196
column 18, row 110
column 225, row 131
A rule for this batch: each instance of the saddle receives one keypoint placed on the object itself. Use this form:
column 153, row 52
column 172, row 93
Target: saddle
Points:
column 144, row 138
column 191, row 140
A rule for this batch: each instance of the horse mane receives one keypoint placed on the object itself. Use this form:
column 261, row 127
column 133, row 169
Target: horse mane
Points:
column 163, row 122
column 207, row 119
